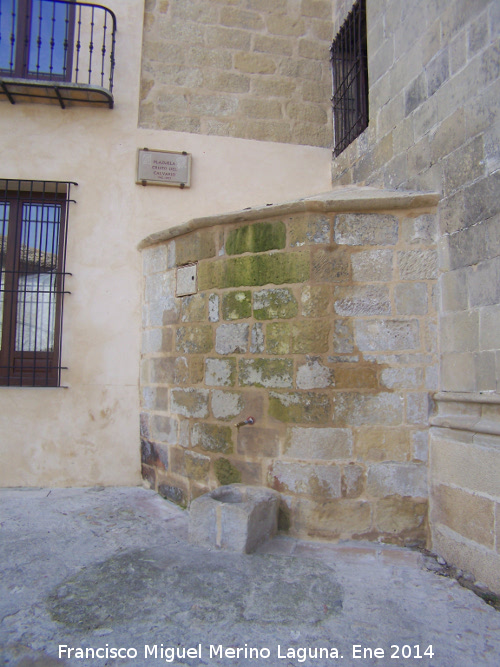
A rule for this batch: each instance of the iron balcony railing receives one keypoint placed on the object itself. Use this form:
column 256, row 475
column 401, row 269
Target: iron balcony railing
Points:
column 57, row 49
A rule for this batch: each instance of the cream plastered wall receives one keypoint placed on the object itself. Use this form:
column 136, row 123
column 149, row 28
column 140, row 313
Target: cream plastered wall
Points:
column 88, row 433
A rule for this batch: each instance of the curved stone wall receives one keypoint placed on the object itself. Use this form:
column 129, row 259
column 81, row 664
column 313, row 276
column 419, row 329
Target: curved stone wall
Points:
column 317, row 319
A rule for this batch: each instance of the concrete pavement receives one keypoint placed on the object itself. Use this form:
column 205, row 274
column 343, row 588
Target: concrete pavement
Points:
column 104, row 577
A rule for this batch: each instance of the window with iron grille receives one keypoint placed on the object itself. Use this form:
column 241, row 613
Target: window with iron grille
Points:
column 350, row 79
column 33, row 223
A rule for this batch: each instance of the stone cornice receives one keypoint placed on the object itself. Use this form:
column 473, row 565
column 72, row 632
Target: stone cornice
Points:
column 354, row 199
column 472, row 412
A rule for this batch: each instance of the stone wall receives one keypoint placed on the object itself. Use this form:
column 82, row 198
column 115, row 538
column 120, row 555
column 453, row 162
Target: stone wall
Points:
column 255, row 69
column 434, row 124
column 318, row 319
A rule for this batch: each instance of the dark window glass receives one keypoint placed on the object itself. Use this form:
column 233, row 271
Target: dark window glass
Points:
column 32, row 271
column 350, row 78
column 36, row 38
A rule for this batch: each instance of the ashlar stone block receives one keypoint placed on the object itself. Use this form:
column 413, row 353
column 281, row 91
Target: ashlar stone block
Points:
column 226, row 404
column 258, row 237
column 212, row 437
column 277, row 303
column 402, row 479
column 366, row 229
column 236, row 305
column 314, row 480
column 190, row 402
column 371, row 335
column 313, row 375
column 220, row 372
column 274, row 373
column 230, row 338
column 325, row 444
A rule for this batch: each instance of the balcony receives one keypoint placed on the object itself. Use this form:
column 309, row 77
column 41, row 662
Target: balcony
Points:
column 57, row 52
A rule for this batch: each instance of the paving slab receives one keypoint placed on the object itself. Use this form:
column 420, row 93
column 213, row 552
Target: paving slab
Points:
column 106, row 576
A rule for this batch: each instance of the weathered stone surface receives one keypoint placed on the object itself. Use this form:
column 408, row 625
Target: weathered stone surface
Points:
column 194, row 246
column 334, row 518
column 250, row 270
column 161, row 370
column 231, row 338
column 194, row 339
column 190, row 402
column 402, row 479
column 319, row 443
column 212, row 437
column 343, row 336
column 220, row 372
column 310, row 336
column 319, row 481
column 313, row 375
column 278, row 338
column 296, row 407
column 359, row 376
column 401, row 515
column 355, row 409
column 164, row 429
column 193, row 308
column 467, row 514
column 154, row 259
column 236, row 305
column 226, row 404
column 353, row 481
column 153, row 454
column 362, row 300
column 234, row 517
column 418, row 407
column 371, row 335
column 196, row 466
column 213, row 308
column 257, row 345
column 274, row 373
column 277, row 303
column 226, row 472
column 309, row 229
column 420, row 230
column 175, row 492
column 366, row 229
column 380, row 443
column 315, row 300
column 372, row 265
column 258, row 442
column 331, row 266
column 259, row 237
column 418, row 264
column 411, row 299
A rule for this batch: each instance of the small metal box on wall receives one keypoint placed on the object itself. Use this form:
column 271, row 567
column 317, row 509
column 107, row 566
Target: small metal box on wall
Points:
column 163, row 168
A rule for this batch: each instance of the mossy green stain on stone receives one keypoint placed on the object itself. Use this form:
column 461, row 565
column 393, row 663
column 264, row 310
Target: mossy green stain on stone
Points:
column 310, row 336
column 258, row 237
column 270, row 304
column 253, row 270
column 300, row 407
column 236, row 305
column 272, row 268
column 194, row 339
column 278, row 337
column 226, row 472
column 212, row 438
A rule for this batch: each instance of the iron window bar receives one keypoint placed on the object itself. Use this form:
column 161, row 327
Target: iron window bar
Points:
column 62, row 50
column 33, row 238
column 350, row 78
